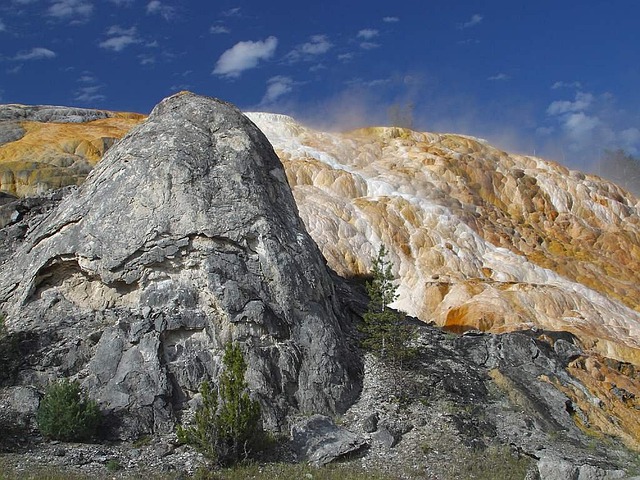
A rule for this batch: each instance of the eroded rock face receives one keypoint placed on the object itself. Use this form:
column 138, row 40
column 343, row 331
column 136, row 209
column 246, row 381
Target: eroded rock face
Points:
column 185, row 237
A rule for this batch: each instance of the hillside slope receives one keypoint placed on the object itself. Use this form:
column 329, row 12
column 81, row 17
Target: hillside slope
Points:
column 480, row 238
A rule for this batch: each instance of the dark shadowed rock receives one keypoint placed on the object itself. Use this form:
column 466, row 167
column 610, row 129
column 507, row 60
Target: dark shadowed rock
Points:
column 184, row 238
column 10, row 131
column 320, row 441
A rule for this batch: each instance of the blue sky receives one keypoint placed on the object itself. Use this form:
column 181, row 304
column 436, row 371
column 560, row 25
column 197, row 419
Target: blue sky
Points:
column 556, row 78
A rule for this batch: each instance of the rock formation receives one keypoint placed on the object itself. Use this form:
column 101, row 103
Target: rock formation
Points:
column 480, row 238
column 42, row 148
column 185, row 237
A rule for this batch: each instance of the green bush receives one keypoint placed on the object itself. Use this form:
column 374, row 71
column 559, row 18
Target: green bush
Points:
column 65, row 413
column 227, row 426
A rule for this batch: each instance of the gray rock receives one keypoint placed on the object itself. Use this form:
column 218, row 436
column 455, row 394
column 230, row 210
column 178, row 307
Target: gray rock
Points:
column 10, row 131
column 48, row 113
column 384, row 437
column 566, row 351
column 523, row 360
column 370, row 423
column 320, row 441
column 186, row 236
column 555, row 468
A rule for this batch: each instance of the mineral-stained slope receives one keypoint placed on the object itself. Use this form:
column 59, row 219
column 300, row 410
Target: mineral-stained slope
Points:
column 480, row 238
column 184, row 238
column 49, row 147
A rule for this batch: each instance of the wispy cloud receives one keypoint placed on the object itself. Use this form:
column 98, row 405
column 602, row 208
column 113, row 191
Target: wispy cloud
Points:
column 146, row 59
column 122, row 3
column 369, row 45
column 589, row 124
column 581, row 102
column 89, row 91
column 277, row 87
column 244, row 56
column 472, row 22
column 359, row 82
column 232, row 12
column 37, row 53
column 368, row 33
column 120, row 38
column 219, row 29
column 499, row 77
column 77, row 11
column 572, row 85
column 89, row 94
column 317, row 45
column 390, row 19
column 3, row 27
column 156, row 7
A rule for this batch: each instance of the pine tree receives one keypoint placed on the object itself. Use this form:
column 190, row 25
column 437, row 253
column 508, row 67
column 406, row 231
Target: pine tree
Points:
column 239, row 416
column 227, row 426
column 386, row 333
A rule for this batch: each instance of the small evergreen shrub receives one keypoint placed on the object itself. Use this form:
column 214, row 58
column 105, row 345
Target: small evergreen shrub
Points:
column 113, row 465
column 227, row 426
column 66, row 414
column 386, row 334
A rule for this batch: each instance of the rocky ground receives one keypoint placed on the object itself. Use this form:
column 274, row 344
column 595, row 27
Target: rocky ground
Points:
column 447, row 417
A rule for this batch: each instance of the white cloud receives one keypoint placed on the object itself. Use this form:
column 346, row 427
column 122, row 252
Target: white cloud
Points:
column 589, row 124
column 75, row 10
column 390, row 19
column 124, row 3
column 244, row 56
column 2, row 26
column 156, row 7
column 218, row 29
column 582, row 102
column 499, row 76
column 317, row 45
column 368, row 33
column 472, row 22
column 87, row 78
column 120, row 38
column 37, row 53
column 579, row 126
column 345, row 57
column 369, row 45
column 276, row 87
column 558, row 85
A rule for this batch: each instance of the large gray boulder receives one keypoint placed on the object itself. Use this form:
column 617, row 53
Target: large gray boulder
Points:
column 185, row 237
